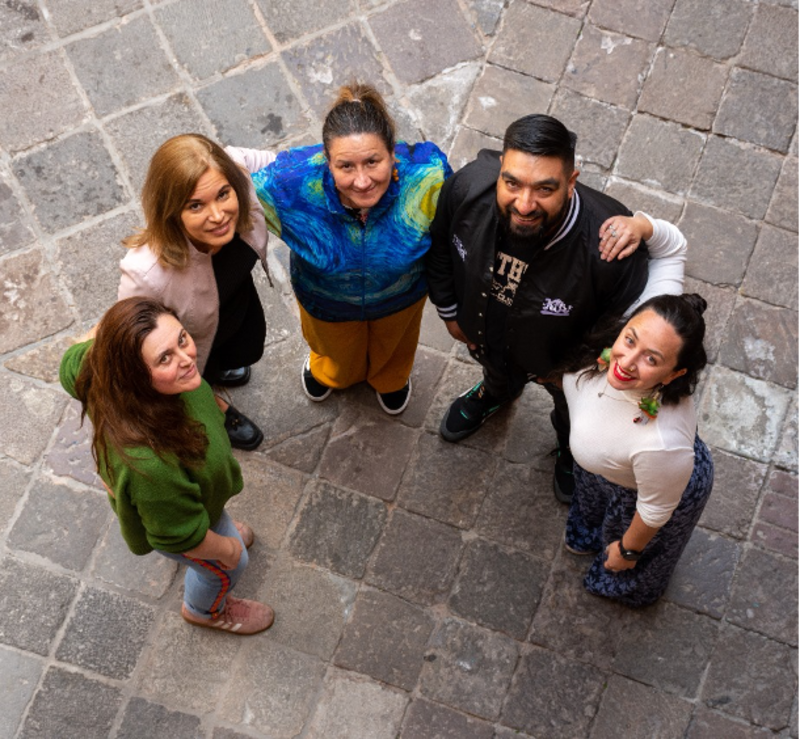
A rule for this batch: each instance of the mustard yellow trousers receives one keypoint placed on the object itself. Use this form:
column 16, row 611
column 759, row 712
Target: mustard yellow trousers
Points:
column 380, row 352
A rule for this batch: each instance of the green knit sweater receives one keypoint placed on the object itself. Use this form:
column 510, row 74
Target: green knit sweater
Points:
column 160, row 503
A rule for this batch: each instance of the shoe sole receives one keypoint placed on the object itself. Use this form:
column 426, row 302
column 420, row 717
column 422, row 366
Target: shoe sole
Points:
column 578, row 552
column 314, row 398
column 399, row 410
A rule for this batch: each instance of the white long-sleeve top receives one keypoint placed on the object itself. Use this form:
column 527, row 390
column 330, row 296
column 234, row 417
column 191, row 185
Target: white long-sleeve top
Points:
column 665, row 268
column 655, row 458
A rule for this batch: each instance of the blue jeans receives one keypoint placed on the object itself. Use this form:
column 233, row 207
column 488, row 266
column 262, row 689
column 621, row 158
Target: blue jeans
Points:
column 206, row 584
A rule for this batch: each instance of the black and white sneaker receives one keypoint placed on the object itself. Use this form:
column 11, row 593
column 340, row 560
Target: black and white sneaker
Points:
column 395, row 402
column 313, row 389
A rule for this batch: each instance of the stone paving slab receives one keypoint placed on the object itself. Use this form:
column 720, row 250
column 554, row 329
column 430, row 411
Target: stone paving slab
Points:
column 421, row 588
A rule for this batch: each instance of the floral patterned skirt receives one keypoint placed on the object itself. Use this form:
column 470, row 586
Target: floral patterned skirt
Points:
column 601, row 513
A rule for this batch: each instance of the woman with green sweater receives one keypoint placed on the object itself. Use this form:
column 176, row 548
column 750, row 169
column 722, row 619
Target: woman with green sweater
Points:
column 161, row 448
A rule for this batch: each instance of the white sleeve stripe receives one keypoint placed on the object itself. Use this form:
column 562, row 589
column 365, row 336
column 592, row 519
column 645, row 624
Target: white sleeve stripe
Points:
column 447, row 312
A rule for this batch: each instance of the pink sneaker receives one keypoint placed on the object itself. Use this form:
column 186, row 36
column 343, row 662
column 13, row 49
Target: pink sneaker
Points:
column 239, row 616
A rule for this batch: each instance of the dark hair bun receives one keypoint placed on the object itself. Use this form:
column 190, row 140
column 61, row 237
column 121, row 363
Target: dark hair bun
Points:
column 698, row 302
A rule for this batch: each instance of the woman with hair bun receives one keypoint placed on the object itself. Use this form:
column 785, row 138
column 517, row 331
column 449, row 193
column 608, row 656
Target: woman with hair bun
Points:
column 355, row 213
column 642, row 475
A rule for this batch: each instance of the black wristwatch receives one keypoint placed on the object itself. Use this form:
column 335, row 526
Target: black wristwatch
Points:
column 631, row 555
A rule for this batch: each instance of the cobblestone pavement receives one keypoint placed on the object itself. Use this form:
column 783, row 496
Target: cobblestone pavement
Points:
column 421, row 588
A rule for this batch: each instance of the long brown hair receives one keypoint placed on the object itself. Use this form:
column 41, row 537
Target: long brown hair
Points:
column 115, row 388
column 171, row 179
column 358, row 108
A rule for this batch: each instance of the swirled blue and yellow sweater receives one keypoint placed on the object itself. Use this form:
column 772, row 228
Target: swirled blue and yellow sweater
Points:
column 341, row 269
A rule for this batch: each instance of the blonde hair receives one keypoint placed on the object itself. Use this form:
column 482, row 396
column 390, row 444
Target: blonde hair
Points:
column 171, row 179
column 359, row 108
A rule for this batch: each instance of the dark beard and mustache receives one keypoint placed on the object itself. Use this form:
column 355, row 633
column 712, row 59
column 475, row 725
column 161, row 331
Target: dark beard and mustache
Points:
column 533, row 236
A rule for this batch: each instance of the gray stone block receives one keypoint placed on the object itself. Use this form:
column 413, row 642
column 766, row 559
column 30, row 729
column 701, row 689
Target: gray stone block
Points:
column 71, row 705
column 707, row 724
column 289, row 19
column 70, row 455
column 144, row 719
column 269, row 499
column 553, row 696
column 530, row 437
column 122, row 66
column 14, row 480
column 498, row 589
column 467, row 144
column 337, row 530
column 193, row 30
column 321, row 65
column 607, row 66
column 385, row 638
column 720, row 306
column 652, row 202
column 367, row 453
column 302, row 452
column 24, row 29
column 715, row 30
column 679, row 644
column 30, row 305
column 720, row 243
column 783, row 207
column 704, row 575
column 60, row 524
column 19, row 676
column 575, row 8
column 735, row 176
column 742, row 415
column 758, row 108
column 764, row 598
column 175, row 669
column 630, row 711
column 42, row 362
column 737, row 483
column 660, row 154
column 752, row 678
column 771, row 42
column 416, row 558
column 527, row 27
column 351, row 708
column 683, row 87
column 106, row 633
column 421, row 39
column 70, row 180
column 501, row 96
column 762, row 342
column 487, row 14
column 772, row 272
column 776, row 526
column 137, row 134
column 594, row 623
column 15, row 227
column 99, row 245
column 520, row 511
column 273, row 690
column 257, row 121
column 786, row 454
column 426, row 720
column 40, row 407
column 468, row 668
column 600, row 127
column 445, row 481
column 39, row 101
column 75, row 15
column 149, row 576
column 311, row 604
column 641, row 18
column 34, row 604
column 439, row 103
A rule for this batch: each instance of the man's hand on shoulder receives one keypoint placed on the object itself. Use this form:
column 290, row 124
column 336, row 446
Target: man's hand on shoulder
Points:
column 620, row 236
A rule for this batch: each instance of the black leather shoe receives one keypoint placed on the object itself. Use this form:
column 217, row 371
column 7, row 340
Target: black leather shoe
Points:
column 233, row 378
column 242, row 432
